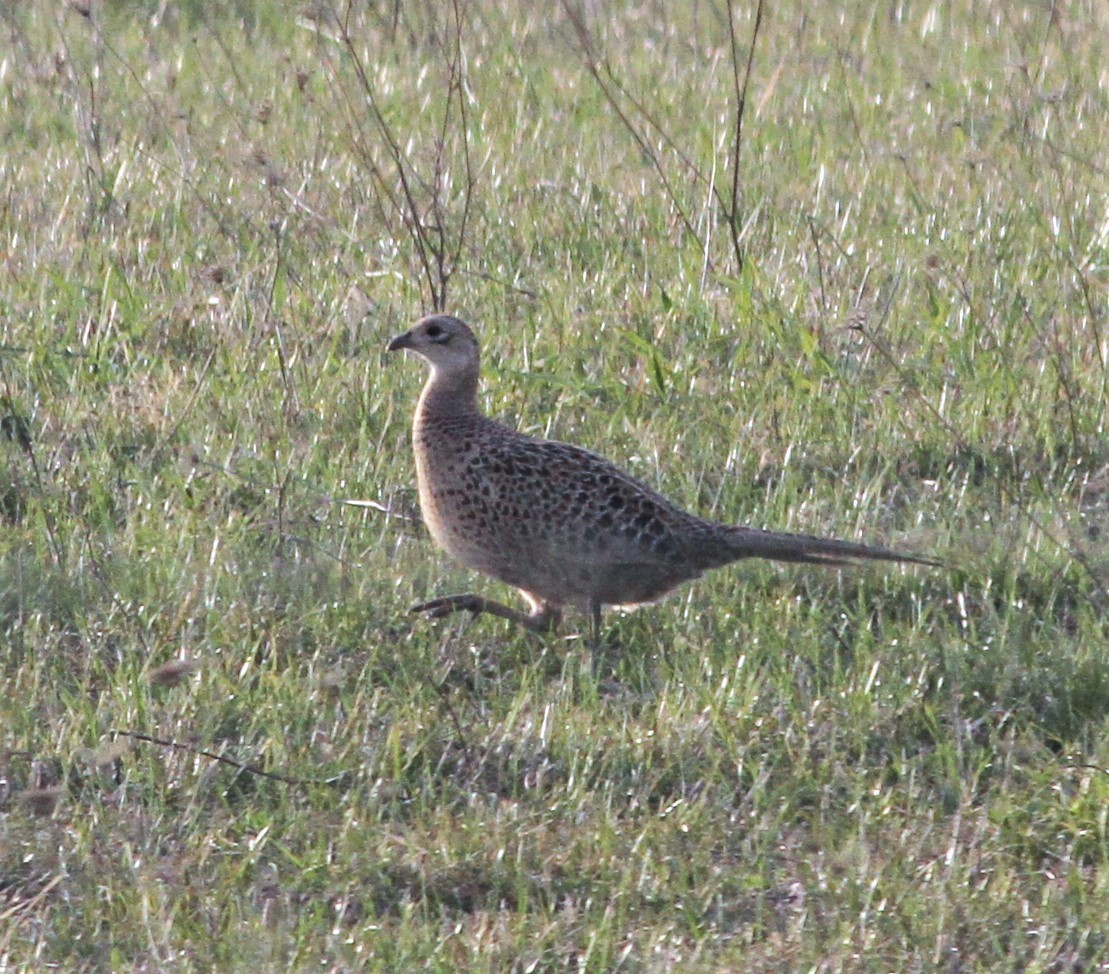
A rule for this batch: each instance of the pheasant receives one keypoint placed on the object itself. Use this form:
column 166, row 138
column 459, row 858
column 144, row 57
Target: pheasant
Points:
column 561, row 524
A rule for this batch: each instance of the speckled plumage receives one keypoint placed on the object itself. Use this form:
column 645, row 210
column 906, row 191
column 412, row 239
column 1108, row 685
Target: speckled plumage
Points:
column 561, row 524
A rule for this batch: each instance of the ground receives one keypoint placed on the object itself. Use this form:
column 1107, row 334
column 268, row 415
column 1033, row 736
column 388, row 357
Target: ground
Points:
column 876, row 310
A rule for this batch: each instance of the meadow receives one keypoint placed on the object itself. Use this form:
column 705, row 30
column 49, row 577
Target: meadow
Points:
column 834, row 271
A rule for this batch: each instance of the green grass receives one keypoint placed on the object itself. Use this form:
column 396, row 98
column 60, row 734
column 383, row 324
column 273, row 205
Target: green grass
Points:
column 205, row 247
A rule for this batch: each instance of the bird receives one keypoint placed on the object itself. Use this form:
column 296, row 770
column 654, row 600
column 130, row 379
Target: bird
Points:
column 563, row 525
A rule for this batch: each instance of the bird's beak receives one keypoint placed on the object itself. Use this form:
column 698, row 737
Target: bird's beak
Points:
column 401, row 341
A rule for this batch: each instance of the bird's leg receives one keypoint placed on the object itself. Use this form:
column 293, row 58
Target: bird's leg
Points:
column 543, row 618
column 594, row 625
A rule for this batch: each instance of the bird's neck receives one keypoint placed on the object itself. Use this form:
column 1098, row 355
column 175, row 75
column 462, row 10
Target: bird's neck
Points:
column 448, row 394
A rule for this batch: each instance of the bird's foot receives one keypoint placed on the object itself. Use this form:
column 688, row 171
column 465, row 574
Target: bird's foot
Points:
column 539, row 621
column 449, row 604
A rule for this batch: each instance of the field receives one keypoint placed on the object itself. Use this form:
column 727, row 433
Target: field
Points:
column 835, row 273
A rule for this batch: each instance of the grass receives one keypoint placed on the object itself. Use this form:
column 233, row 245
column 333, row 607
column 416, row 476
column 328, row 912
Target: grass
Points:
column 206, row 243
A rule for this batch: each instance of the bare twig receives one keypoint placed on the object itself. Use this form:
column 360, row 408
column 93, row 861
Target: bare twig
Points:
column 618, row 95
column 17, row 428
column 610, row 86
column 182, row 414
column 31, row 904
column 731, row 211
column 439, row 240
column 444, row 697
column 223, row 759
column 459, row 88
column 819, row 264
column 412, row 219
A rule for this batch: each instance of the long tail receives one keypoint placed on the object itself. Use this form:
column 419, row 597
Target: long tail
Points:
column 733, row 543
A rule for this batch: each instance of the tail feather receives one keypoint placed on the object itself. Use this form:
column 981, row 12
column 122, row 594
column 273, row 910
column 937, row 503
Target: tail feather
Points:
column 735, row 543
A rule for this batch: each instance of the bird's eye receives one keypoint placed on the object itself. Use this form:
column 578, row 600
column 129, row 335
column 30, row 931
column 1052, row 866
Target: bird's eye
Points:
column 434, row 331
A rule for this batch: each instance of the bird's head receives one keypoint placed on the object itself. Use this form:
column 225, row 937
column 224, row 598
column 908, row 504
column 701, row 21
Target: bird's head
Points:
column 447, row 344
